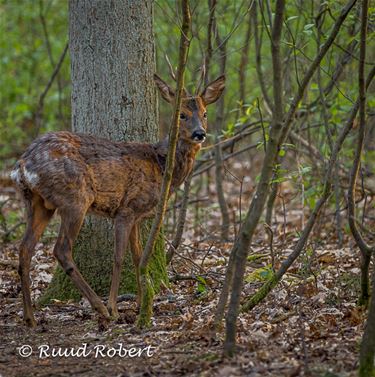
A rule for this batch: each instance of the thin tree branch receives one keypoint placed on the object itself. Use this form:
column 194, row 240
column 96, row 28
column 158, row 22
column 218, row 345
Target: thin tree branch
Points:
column 234, row 276
column 39, row 111
column 146, row 289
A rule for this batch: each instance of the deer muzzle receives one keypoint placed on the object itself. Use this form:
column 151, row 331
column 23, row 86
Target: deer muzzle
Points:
column 199, row 136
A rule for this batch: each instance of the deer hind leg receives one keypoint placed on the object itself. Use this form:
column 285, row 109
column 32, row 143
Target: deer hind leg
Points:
column 37, row 219
column 136, row 250
column 123, row 224
column 71, row 222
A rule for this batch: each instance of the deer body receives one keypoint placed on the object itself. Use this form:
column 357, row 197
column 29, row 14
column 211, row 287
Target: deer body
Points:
column 64, row 168
column 74, row 174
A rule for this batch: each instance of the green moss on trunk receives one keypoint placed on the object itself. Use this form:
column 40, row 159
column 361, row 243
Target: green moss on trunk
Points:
column 145, row 313
column 94, row 258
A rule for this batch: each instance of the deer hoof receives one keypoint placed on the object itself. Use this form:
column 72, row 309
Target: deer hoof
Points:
column 30, row 322
column 103, row 323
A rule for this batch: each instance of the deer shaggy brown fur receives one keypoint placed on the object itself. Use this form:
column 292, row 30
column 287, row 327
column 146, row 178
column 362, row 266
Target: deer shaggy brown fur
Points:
column 74, row 174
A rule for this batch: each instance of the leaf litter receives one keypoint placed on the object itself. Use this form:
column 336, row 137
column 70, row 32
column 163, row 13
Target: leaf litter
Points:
column 309, row 325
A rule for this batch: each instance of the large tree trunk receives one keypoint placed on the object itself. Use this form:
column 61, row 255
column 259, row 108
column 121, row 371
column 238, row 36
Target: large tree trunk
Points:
column 113, row 96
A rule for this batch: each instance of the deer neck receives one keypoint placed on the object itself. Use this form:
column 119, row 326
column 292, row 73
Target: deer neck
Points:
column 184, row 161
column 185, row 156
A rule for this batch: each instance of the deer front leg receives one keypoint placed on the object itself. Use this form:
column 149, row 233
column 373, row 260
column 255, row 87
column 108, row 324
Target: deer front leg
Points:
column 136, row 250
column 123, row 224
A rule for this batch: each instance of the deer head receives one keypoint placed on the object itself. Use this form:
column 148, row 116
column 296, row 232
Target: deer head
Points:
column 193, row 113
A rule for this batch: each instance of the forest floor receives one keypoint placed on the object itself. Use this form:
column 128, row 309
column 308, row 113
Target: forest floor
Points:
column 310, row 324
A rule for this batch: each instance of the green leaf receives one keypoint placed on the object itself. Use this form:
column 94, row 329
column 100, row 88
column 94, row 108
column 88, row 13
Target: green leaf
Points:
column 305, row 169
column 291, row 18
column 260, row 274
column 308, row 26
column 202, row 285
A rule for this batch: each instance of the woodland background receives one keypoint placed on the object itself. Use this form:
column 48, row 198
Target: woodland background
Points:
column 312, row 322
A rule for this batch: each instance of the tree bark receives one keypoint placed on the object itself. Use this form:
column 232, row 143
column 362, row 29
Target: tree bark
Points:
column 219, row 166
column 367, row 352
column 113, row 96
column 244, row 61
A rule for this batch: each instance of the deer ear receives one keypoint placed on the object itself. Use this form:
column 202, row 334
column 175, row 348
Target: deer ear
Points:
column 165, row 90
column 213, row 90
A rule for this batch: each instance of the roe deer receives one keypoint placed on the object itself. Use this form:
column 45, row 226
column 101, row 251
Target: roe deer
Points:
column 75, row 174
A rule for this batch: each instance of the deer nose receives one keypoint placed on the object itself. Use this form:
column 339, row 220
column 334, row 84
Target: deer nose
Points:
column 199, row 135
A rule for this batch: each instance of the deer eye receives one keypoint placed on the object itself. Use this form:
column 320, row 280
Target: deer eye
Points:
column 205, row 115
column 183, row 116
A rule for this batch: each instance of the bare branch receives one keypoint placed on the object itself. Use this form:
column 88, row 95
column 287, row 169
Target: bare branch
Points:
column 146, row 289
